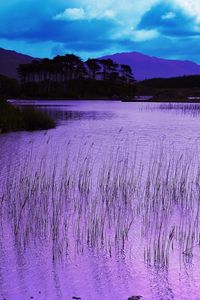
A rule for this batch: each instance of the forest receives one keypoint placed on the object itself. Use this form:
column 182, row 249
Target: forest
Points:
column 9, row 87
column 69, row 77
column 181, row 82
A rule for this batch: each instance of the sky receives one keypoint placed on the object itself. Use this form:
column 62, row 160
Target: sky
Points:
column 91, row 28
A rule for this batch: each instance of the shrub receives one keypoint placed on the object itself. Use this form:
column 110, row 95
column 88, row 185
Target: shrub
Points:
column 13, row 118
column 36, row 120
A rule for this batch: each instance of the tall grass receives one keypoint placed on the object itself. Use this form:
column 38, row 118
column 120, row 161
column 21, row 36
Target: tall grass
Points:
column 106, row 205
column 192, row 109
column 14, row 118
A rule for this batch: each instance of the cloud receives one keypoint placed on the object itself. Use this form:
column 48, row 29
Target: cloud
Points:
column 169, row 20
column 190, row 7
column 95, row 28
column 84, row 14
column 145, row 35
column 168, row 16
column 101, row 25
column 71, row 14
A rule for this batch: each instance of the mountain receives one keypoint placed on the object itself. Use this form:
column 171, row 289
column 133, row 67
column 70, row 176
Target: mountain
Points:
column 10, row 60
column 145, row 67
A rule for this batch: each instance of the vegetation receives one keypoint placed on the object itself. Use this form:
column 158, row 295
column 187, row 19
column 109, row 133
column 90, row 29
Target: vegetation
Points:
column 192, row 109
column 9, row 87
column 173, row 83
column 108, row 205
column 169, row 96
column 69, row 77
column 24, row 118
column 176, row 89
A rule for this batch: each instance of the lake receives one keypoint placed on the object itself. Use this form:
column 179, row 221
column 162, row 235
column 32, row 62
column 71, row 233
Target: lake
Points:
column 103, row 207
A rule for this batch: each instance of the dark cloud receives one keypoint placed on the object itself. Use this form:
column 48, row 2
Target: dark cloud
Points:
column 169, row 20
column 32, row 24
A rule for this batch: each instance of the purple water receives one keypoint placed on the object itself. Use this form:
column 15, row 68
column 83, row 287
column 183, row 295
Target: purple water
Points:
column 104, row 207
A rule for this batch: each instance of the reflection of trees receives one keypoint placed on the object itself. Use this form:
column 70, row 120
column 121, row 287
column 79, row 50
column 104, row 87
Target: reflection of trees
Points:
column 79, row 115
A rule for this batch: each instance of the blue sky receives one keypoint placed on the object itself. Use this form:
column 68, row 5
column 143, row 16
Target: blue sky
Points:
column 90, row 28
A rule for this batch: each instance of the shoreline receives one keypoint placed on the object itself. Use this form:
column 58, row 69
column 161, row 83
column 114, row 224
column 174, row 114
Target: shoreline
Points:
column 106, row 99
column 13, row 118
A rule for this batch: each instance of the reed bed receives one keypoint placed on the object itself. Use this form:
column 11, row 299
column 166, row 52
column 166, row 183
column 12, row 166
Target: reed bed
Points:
column 14, row 118
column 192, row 109
column 108, row 203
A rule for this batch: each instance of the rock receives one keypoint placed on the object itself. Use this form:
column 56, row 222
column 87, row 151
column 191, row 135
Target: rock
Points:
column 76, row 298
column 135, row 298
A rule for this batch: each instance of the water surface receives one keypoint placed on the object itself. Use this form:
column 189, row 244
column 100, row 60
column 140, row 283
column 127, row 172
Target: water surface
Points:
column 105, row 206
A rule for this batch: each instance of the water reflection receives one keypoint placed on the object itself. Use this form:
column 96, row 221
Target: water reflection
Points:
column 70, row 115
column 62, row 110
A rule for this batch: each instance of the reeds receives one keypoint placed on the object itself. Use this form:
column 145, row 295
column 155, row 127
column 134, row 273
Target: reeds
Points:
column 106, row 204
column 192, row 109
column 23, row 118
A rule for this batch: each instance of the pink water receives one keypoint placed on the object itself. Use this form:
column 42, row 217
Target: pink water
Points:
column 99, row 272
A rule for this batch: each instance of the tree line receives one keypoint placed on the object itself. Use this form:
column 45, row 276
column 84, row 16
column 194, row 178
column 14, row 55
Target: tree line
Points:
column 181, row 82
column 69, row 76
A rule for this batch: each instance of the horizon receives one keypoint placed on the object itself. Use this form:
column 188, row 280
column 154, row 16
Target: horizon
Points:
column 167, row 31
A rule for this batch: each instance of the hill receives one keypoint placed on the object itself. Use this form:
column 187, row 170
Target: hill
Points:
column 10, row 60
column 145, row 67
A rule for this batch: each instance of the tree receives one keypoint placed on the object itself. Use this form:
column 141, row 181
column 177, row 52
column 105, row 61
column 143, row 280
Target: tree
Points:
column 67, row 76
column 127, row 74
column 93, row 67
column 71, row 65
column 108, row 67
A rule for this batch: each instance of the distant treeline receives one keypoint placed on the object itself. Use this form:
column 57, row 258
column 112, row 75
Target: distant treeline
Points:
column 68, row 76
column 173, row 83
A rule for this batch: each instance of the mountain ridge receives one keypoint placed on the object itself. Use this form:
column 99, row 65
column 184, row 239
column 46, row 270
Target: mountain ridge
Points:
column 10, row 60
column 144, row 66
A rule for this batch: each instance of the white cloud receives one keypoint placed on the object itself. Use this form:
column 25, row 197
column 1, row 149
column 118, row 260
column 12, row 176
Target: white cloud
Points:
column 126, row 12
column 169, row 15
column 191, row 7
column 109, row 14
column 84, row 14
column 72, row 14
column 144, row 35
